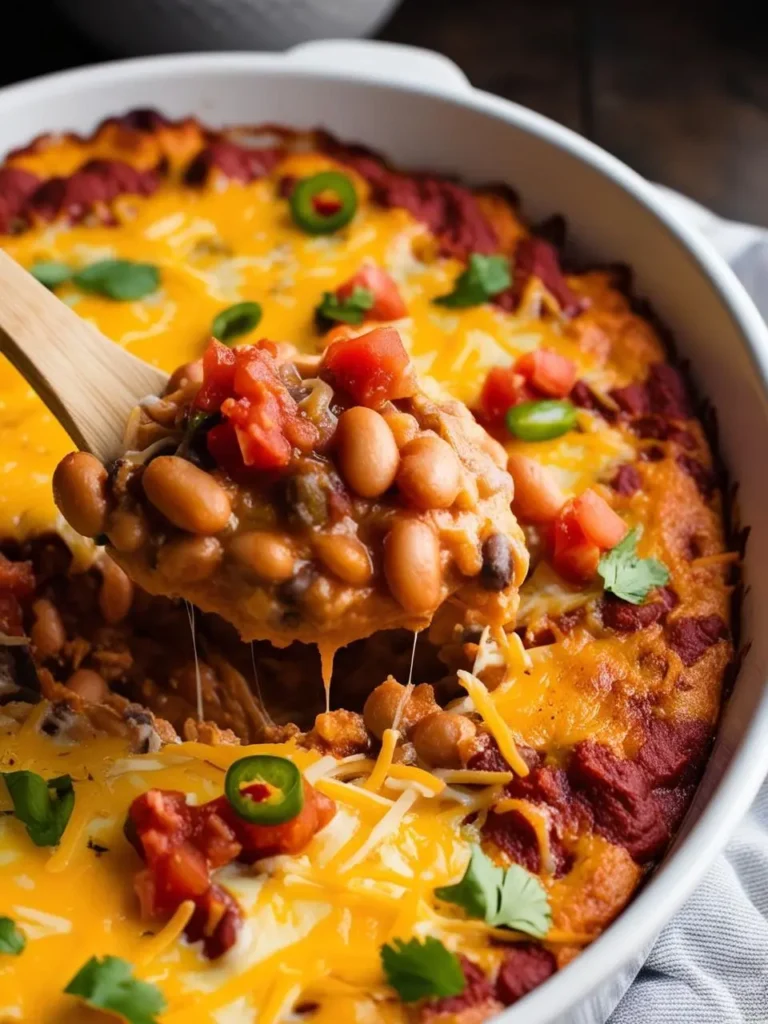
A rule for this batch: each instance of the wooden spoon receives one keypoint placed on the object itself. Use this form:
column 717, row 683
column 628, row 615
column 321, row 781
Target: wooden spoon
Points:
column 89, row 383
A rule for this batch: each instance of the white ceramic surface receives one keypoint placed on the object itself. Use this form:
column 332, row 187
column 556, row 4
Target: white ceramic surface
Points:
column 173, row 26
column 420, row 110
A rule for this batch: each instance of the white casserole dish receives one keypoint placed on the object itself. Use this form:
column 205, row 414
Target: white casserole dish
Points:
column 419, row 109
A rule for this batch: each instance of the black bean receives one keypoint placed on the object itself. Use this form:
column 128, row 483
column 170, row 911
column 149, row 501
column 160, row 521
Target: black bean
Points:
column 496, row 572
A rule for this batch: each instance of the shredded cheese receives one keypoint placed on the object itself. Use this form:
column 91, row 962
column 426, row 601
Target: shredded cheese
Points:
column 498, row 728
column 388, row 824
column 383, row 761
column 167, row 936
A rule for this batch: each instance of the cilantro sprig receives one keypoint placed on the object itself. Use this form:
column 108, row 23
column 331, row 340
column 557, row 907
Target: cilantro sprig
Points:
column 108, row 984
column 419, row 970
column 51, row 273
column 485, row 277
column 502, row 897
column 12, row 939
column 120, row 280
column 349, row 310
column 627, row 575
column 43, row 807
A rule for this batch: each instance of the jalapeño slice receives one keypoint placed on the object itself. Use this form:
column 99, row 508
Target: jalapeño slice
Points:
column 323, row 203
column 278, row 775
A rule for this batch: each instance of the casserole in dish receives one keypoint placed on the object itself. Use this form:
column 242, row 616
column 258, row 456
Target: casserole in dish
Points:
column 666, row 393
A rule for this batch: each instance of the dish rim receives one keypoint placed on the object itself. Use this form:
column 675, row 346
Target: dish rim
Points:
column 685, row 864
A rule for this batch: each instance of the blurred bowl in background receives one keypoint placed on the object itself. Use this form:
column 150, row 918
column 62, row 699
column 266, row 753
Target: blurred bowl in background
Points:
column 168, row 26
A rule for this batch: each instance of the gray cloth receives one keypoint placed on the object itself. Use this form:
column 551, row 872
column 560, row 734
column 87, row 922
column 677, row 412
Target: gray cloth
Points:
column 710, row 964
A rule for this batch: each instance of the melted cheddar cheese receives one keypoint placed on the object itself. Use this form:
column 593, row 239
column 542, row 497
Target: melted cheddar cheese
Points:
column 315, row 922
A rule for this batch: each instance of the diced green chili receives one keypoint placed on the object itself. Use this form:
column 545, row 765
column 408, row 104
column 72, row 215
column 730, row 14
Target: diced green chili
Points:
column 541, row 421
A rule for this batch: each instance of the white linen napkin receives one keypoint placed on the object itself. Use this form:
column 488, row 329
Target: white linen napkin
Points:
column 710, row 964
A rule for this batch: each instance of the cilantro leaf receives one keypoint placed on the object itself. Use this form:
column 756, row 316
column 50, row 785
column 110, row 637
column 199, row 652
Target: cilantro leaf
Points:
column 234, row 321
column 121, row 280
column 108, row 984
column 502, row 897
column 43, row 807
column 479, row 889
column 417, row 970
column 12, row 940
column 523, row 906
column 51, row 273
column 627, row 575
column 349, row 310
column 484, row 277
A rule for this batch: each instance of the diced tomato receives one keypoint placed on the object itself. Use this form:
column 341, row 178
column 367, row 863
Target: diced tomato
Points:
column 224, row 448
column 503, row 388
column 548, row 372
column 258, row 428
column 218, row 376
column 573, row 555
column 585, row 527
column 16, row 578
column 11, row 618
column 182, row 844
column 262, row 420
column 601, row 525
column 372, row 368
column 387, row 301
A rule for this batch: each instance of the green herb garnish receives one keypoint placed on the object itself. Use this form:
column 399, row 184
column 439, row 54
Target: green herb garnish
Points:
column 417, row 970
column 235, row 321
column 43, row 807
column 12, row 940
column 484, row 277
column 502, row 897
column 350, row 310
column 121, row 280
column 627, row 575
column 108, row 984
column 51, row 273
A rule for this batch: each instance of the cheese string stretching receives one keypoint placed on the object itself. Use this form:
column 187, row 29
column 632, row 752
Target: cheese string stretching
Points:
column 319, row 502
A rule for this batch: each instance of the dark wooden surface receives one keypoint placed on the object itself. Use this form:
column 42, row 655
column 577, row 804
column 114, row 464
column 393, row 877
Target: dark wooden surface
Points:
column 677, row 88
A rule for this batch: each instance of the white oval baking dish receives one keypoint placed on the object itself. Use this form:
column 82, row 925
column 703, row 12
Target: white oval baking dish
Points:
column 419, row 109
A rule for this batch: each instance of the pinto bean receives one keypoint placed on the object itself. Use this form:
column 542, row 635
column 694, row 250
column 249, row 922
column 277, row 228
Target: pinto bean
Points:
column 412, row 565
column 367, row 454
column 498, row 568
column 115, row 593
column 189, row 373
column 47, row 632
column 80, row 492
column 127, row 531
column 404, row 427
column 442, row 738
column 189, row 559
column 187, row 496
column 267, row 554
column 345, row 556
column 383, row 702
column 538, row 497
column 430, row 473
column 88, row 685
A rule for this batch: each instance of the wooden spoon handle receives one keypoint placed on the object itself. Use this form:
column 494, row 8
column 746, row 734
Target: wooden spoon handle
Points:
column 89, row 383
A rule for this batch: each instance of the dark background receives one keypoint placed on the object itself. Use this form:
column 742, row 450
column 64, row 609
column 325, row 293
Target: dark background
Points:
column 677, row 88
